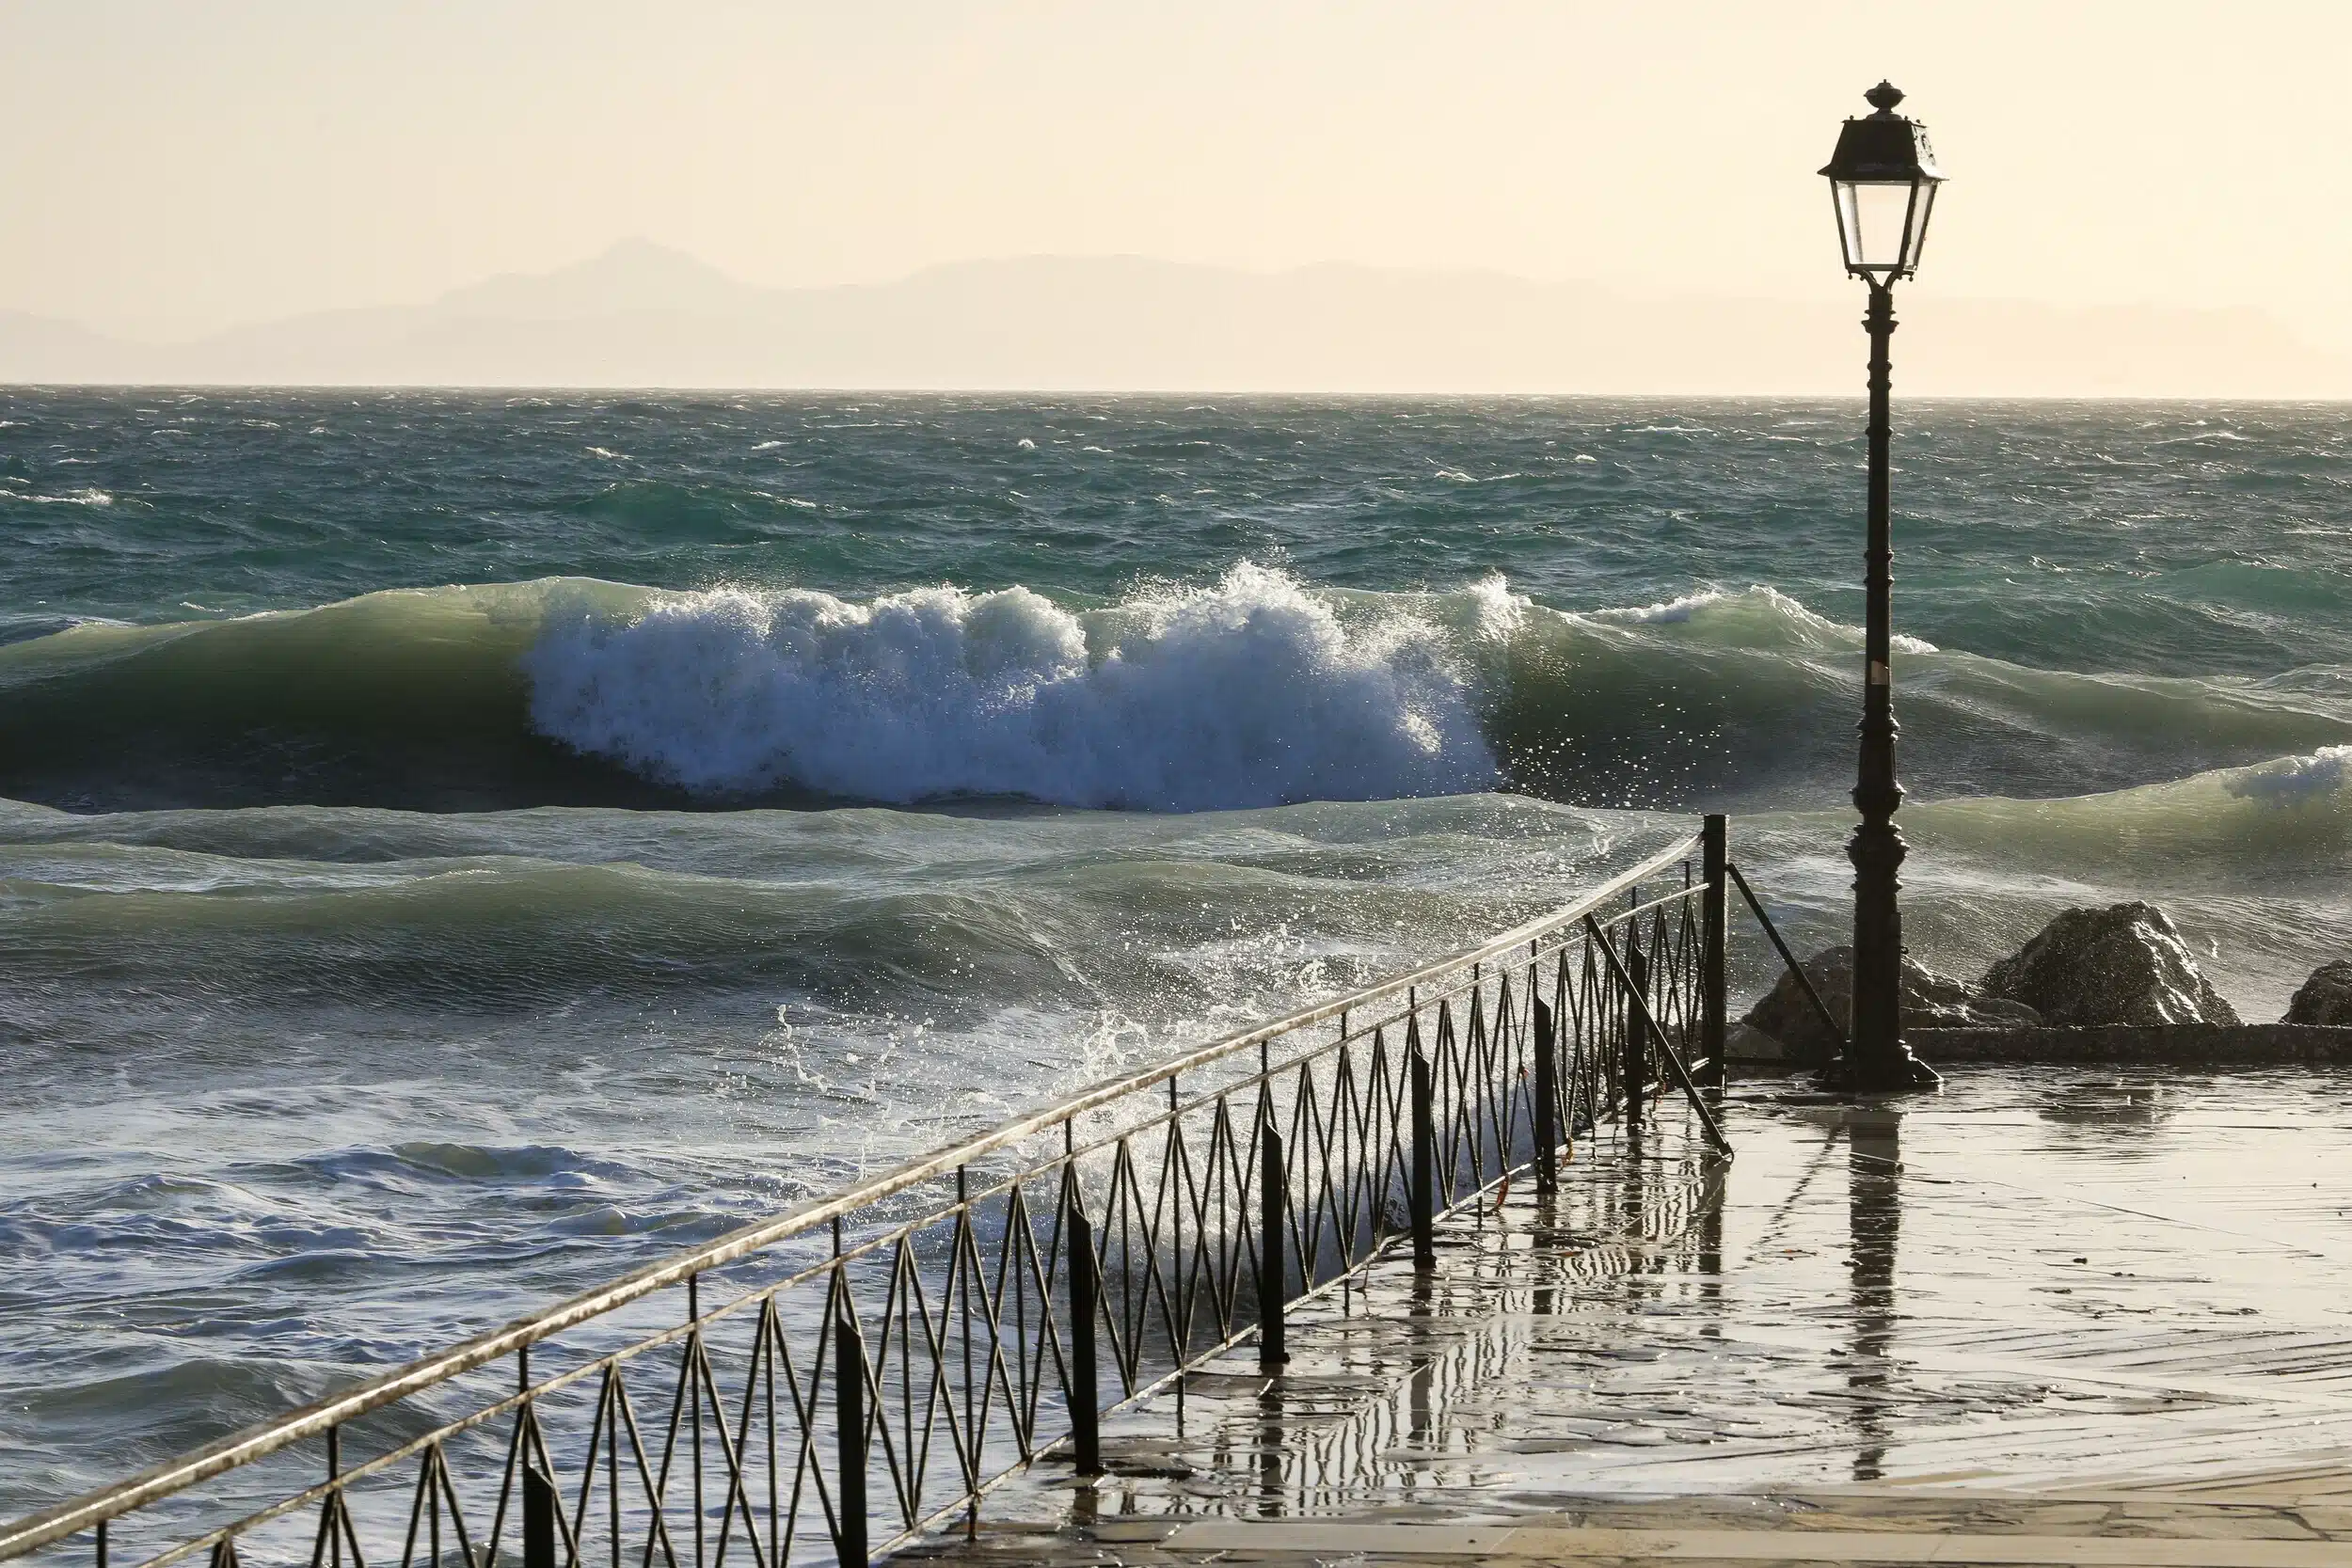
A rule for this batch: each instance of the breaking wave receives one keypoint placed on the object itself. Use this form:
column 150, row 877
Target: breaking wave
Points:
column 1256, row 690
column 1252, row 692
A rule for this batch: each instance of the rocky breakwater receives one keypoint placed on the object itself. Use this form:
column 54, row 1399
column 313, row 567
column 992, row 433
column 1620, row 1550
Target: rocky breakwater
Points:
column 2106, row 985
column 1787, row 1026
column 2123, row 964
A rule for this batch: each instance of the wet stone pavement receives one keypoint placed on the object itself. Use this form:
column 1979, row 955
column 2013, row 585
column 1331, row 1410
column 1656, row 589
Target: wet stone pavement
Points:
column 2048, row 1315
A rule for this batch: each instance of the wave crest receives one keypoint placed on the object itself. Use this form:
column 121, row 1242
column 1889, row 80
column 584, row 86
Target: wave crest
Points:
column 1250, row 692
column 1253, row 690
column 2293, row 781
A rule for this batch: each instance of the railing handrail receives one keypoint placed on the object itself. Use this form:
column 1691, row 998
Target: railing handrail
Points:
column 268, row 1436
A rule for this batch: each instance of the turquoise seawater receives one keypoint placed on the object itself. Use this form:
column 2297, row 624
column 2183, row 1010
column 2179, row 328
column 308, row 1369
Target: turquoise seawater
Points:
column 455, row 847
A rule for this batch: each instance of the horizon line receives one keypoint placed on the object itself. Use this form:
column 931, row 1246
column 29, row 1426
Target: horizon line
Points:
column 1158, row 393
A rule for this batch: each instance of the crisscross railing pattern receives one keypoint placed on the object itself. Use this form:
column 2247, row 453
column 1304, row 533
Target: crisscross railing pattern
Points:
column 828, row 1384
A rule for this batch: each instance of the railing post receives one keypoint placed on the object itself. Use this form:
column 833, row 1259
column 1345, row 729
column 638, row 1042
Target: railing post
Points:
column 1423, row 1197
column 1547, row 1103
column 1636, row 1054
column 1086, row 1423
column 1648, row 1024
column 1714, row 905
column 538, row 1515
column 848, row 1370
column 1271, row 1268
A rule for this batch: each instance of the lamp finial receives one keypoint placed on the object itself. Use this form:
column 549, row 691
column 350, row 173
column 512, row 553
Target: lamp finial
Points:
column 1883, row 98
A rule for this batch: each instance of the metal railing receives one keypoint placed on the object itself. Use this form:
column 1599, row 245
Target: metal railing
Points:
column 831, row 1383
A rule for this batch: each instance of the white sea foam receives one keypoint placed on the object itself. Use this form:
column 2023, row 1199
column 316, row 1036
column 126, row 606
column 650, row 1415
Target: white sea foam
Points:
column 1758, row 597
column 1669, row 612
column 2292, row 781
column 1251, row 692
column 88, row 495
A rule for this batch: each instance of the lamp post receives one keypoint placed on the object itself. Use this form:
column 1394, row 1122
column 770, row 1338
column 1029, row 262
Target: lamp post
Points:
column 1882, row 179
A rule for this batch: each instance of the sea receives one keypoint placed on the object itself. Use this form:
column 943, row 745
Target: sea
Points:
column 457, row 847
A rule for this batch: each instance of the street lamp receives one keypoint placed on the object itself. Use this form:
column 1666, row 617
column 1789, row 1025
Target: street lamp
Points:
column 1882, row 179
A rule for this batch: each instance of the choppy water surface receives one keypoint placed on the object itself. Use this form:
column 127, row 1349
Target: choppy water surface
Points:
column 457, row 846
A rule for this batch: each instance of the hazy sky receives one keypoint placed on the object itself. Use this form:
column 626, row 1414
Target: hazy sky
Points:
column 174, row 167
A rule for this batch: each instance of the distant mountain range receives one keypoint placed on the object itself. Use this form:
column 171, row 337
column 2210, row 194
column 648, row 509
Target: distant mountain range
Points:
column 644, row 315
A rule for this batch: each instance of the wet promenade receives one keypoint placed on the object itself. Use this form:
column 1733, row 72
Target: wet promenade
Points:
column 2046, row 1316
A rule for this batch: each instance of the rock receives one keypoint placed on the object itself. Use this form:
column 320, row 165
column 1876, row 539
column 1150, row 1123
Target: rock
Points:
column 2326, row 997
column 1930, row 1001
column 1744, row 1042
column 2123, row 964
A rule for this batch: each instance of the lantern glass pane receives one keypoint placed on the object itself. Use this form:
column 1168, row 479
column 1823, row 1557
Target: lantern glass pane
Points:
column 1919, row 224
column 1870, row 219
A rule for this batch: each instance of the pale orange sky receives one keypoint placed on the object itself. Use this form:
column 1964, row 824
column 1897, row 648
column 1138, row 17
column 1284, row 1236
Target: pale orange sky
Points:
column 170, row 168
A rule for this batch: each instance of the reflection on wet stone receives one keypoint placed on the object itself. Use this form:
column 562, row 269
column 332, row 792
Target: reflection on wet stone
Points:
column 2125, row 1287
column 1711, row 1233
column 1270, row 1439
column 1874, row 1210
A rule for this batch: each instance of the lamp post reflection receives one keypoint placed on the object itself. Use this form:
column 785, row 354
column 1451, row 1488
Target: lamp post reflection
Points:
column 1874, row 1224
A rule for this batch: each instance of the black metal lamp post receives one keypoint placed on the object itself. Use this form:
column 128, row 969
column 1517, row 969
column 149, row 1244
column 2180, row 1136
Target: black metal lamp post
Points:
column 1882, row 178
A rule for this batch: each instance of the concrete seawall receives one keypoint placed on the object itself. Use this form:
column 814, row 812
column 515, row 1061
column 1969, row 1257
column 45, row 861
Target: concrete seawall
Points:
column 2181, row 1044
column 2122, row 1044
